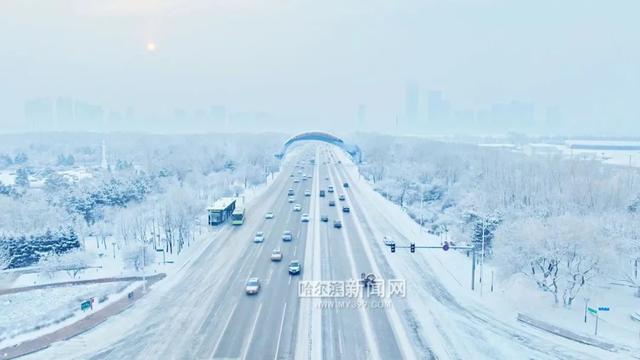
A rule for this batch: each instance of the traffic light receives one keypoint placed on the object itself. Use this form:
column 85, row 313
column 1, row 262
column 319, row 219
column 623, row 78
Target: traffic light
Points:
column 393, row 248
column 413, row 247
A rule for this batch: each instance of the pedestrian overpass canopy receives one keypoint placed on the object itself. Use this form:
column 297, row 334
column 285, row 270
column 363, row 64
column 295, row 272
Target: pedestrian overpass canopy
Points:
column 351, row 149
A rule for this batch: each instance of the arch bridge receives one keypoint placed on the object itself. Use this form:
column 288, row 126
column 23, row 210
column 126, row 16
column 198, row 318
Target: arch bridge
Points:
column 351, row 149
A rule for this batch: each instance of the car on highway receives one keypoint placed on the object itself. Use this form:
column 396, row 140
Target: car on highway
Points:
column 388, row 241
column 259, row 237
column 297, row 207
column 287, row 235
column 345, row 185
column 321, row 193
column 304, row 217
column 252, row 286
column 307, row 193
column 337, row 224
column 332, row 203
column 296, row 180
column 345, row 209
column 291, row 199
column 292, row 175
column 276, row 255
column 330, row 189
column 341, row 197
column 327, row 178
column 295, row 267
column 268, row 215
column 290, row 192
column 324, row 218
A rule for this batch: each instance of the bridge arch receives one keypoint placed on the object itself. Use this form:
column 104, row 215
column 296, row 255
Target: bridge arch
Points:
column 351, row 149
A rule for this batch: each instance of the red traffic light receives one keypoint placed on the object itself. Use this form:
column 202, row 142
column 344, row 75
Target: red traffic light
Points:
column 445, row 247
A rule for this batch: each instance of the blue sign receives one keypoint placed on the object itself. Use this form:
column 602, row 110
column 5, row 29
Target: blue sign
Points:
column 445, row 247
column 603, row 308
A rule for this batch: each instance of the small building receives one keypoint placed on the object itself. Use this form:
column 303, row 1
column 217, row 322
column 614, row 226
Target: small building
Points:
column 221, row 210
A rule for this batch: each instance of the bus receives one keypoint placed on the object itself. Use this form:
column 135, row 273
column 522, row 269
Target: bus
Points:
column 221, row 210
column 238, row 216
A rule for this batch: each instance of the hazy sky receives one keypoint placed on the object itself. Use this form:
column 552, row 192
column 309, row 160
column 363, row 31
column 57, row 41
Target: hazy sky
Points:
column 310, row 63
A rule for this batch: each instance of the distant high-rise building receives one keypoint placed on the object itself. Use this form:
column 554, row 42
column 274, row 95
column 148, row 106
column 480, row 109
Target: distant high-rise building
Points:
column 362, row 115
column 39, row 114
column 64, row 113
column 412, row 104
column 87, row 116
column 438, row 109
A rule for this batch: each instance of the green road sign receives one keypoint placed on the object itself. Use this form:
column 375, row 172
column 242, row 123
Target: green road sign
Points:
column 592, row 311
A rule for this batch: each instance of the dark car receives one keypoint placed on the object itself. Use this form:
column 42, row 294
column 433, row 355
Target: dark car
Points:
column 332, row 203
column 345, row 209
column 324, row 218
column 345, row 185
column 321, row 193
column 341, row 197
column 337, row 224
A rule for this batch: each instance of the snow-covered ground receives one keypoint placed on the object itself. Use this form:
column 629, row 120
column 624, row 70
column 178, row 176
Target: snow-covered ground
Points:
column 32, row 313
column 500, row 307
column 38, row 316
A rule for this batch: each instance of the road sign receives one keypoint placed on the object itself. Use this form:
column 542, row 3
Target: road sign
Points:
column 85, row 305
column 603, row 308
column 445, row 247
column 592, row 311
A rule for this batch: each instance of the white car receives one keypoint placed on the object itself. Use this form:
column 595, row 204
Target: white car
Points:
column 304, row 218
column 307, row 193
column 276, row 255
column 297, row 207
column 296, row 180
column 268, row 215
column 252, row 286
column 287, row 235
column 259, row 237
column 291, row 199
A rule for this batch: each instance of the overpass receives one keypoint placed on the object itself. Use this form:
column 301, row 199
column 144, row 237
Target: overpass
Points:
column 351, row 149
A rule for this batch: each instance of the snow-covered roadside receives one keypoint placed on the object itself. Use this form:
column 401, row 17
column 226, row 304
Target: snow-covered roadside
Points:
column 109, row 265
column 219, row 260
column 29, row 315
column 440, row 309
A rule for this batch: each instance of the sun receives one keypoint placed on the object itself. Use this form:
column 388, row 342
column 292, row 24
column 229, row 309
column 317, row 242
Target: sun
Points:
column 151, row 46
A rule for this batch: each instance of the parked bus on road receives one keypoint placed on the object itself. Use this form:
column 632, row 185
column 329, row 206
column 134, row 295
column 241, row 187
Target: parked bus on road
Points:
column 238, row 216
column 221, row 210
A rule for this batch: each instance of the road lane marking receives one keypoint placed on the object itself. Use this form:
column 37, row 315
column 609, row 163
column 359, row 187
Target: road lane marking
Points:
column 295, row 249
column 226, row 324
column 253, row 329
column 393, row 318
column 284, row 312
column 366, row 321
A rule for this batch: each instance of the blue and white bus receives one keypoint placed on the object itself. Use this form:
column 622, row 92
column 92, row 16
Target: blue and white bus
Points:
column 221, row 210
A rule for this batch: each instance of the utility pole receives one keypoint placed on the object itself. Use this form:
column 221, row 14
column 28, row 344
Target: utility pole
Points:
column 482, row 257
column 586, row 305
column 144, row 279
column 473, row 269
column 421, row 212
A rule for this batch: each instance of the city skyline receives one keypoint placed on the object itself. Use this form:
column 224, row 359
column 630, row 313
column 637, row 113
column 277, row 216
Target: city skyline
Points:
column 310, row 66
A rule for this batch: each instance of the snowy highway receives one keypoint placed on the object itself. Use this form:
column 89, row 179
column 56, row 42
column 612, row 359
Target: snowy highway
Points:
column 202, row 311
